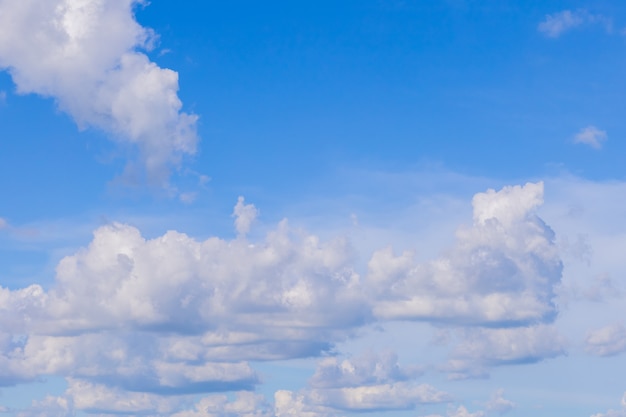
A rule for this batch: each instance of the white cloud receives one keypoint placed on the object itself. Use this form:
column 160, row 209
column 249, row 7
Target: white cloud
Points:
column 499, row 404
column 290, row 404
column 82, row 396
column 96, row 398
column 502, row 270
column 48, row 407
column 367, row 383
column 591, row 136
column 369, row 368
column 556, row 24
column 174, row 315
column 460, row 411
column 86, row 55
column 245, row 215
column 396, row 396
column 246, row 404
column 3, row 223
column 607, row 341
column 481, row 348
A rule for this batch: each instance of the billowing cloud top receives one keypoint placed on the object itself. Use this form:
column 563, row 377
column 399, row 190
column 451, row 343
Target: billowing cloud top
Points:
column 175, row 315
column 86, row 55
column 502, row 270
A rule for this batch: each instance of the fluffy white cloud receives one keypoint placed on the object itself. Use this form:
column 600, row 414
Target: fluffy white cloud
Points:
column 591, row 136
column 607, row 341
column 481, row 348
column 96, row 399
column 556, row 24
column 502, row 270
column 86, row 55
column 367, row 369
column 290, row 404
column 367, row 383
column 174, row 315
column 244, row 214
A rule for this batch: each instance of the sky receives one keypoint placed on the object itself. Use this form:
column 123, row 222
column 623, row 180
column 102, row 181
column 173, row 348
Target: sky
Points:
column 315, row 209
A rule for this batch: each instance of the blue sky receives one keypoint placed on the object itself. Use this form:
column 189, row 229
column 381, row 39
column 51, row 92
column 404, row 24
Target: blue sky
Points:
column 382, row 208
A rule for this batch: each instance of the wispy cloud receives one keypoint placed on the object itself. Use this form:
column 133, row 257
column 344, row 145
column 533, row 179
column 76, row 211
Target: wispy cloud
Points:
column 607, row 341
column 556, row 24
column 591, row 136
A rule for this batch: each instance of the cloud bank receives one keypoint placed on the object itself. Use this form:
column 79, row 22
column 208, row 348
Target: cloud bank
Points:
column 139, row 319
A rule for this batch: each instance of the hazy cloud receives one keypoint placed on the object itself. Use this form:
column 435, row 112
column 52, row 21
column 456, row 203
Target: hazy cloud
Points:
column 614, row 413
column 481, row 348
column 244, row 214
column 606, row 341
column 556, row 24
column 366, row 383
column 591, row 136
column 499, row 404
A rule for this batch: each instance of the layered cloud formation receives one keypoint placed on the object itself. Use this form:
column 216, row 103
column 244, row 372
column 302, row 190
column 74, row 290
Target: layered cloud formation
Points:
column 87, row 55
column 135, row 318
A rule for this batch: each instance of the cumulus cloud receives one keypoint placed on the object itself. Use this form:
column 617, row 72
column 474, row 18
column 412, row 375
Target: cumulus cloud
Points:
column 369, row 368
column 481, row 348
column 291, row 404
column 87, row 55
column 173, row 314
column 606, row 341
column 502, row 270
column 245, row 215
column 591, row 136
column 557, row 24
column 370, row 382
column 82, row 396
